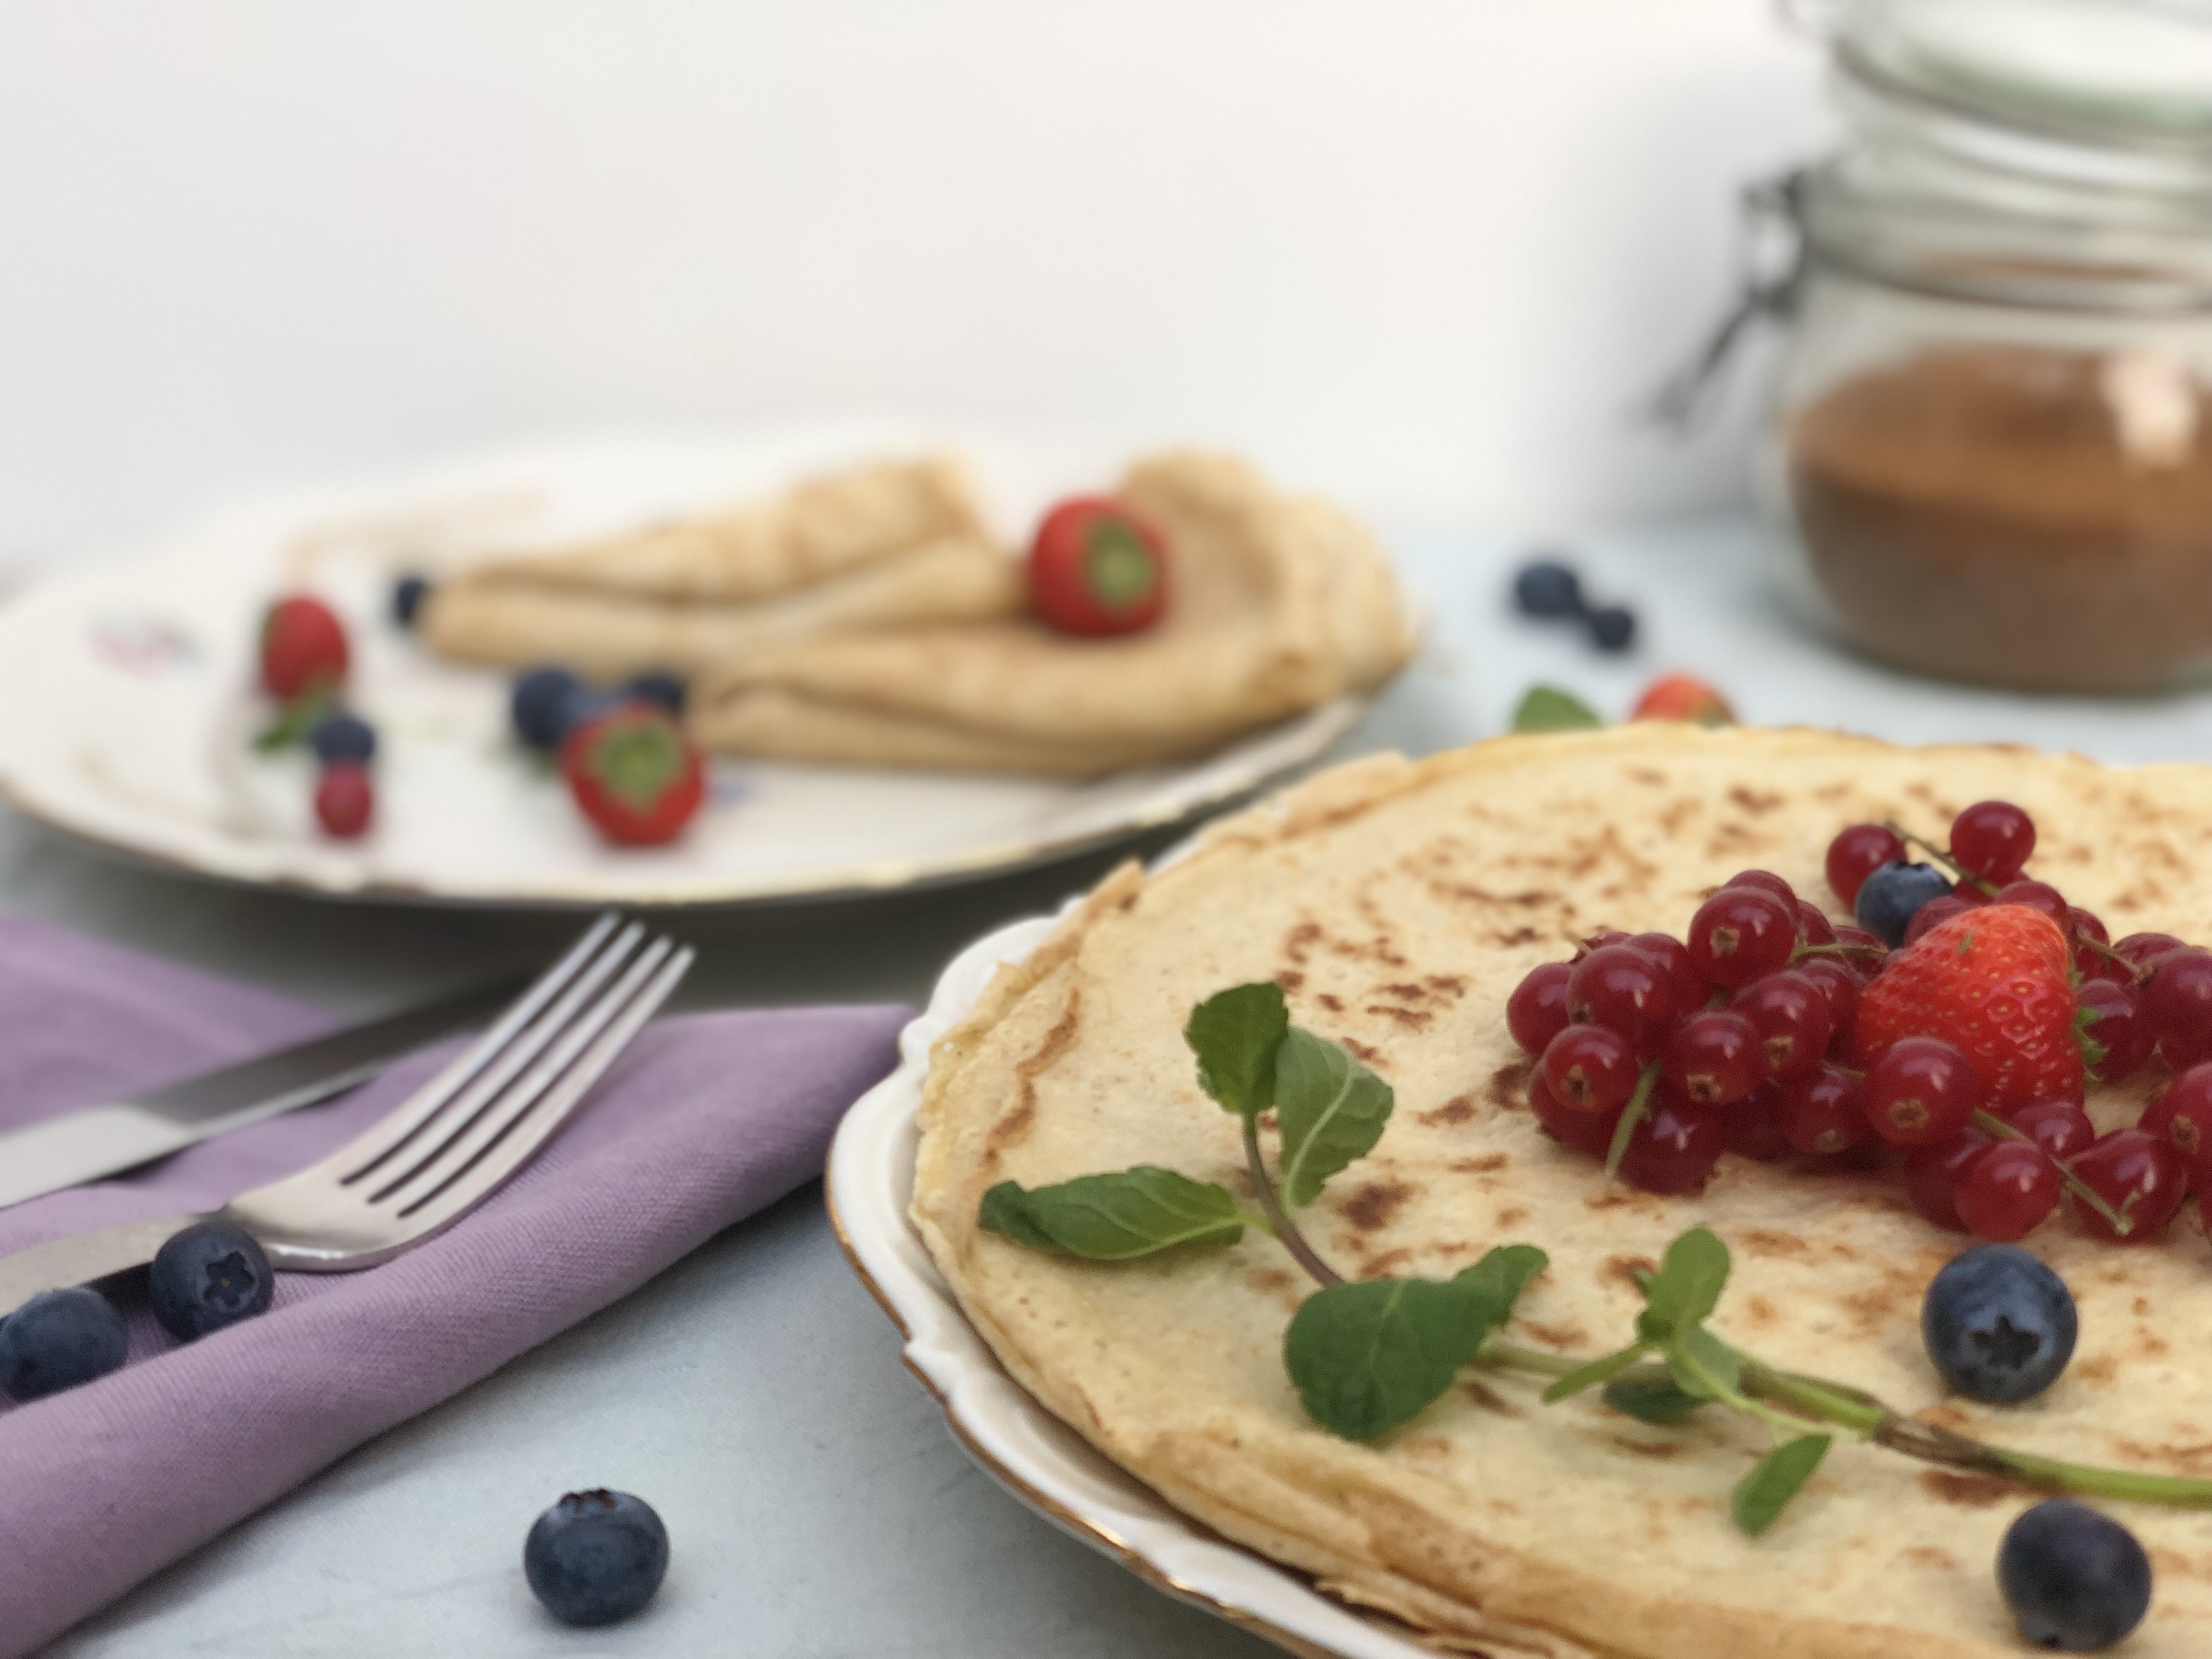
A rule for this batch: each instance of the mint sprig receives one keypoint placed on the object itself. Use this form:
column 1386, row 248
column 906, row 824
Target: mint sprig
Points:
column 1117, row 1218
column 1332, row 1110
column 1235, row 1036
column 1761, row 1495
column 1547, row 709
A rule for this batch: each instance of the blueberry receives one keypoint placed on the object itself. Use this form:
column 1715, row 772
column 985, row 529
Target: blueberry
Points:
column 209, row 1276
column 666, row 690
column 2074, row 1578
column 1998, row 1324
column 1890, row 898
column 1612, row 628
column 343, row 738
column 407, row 596
column 57, row 1340
column 596, row 1557
column 539, row 705
column 1545, row 588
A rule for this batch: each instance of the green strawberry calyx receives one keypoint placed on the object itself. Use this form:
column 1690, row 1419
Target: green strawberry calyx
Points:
column 636, row 757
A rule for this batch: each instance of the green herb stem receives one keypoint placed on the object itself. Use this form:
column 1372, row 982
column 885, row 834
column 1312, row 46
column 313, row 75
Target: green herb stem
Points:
column 1784, row 1422
column 1278, row 1219
column 1997, row 1129
column 1639, row 1109
column 1514, row 1357
column 1939, row 854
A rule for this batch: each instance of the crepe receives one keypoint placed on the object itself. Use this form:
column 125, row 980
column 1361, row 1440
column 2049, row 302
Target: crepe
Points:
column 897, row 541
column 1397, row 903
column 1277, row 603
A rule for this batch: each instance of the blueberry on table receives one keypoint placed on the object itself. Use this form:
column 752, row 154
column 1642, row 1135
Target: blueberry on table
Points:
column 1890, row 898
column 666, row 690
column 539, row 706
column 596, row 1557
column 407, row 596
column 343, row 738
column 1998, row 1324
column 2073, row 1579
column 1546, row 588
column 1612, row 628
column 210, row 1275
column 57, row 1340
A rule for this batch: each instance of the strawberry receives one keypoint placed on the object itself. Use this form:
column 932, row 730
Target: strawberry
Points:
column 1682, row 697
column 1995, row 983
column 303, row 648
column 632, row 774
column 1096, row 568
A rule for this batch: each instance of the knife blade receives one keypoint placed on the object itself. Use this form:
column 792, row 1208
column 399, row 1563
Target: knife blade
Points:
column 102, row 1140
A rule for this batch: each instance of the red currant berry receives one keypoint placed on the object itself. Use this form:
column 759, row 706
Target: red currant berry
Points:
column 2138, row 1175
column 1792, row 1017
column 1537, row 1011
column 2144, row 949
column 2177, row 1001
column 1714, row 1058
column 1824, row 1112
column 2008, row 1192
column 1932, row 1176
column 2116, row 1022
column 1992, row 839
column 1619, row 987
column 1838, row 986
column 1935, row 911
column 2060, row 1128
column 1598, row 941
column 1740, row 934
column 1585, row 1132
column 1671, row 954
column 1857, row 853
column 1675, row 1148
column 1767, row 882
column 345, row 799
column 1751, row 1127
column 2182, row 1117
column 2038, row 895
column 1590, row 1068
column 2080, row 921
column 1921, row 1090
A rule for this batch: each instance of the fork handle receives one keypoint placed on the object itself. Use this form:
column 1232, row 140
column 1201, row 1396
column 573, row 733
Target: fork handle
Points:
column 82, row 1257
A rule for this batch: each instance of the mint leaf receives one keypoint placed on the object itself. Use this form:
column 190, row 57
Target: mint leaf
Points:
column 1686, row 1287
column 1498, row 1279
column 1114, row 1217
column 1763, row 1494
column 1369, row 1355
column 1235, row 1034
column 1648, row 1392
column 1332, row 1110
column 297, row 719
column 1703, row 1365
column 1597, row 1371
column 1547, row 709
column 2093, row 1052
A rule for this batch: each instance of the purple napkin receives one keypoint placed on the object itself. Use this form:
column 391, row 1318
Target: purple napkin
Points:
column 705, row 1119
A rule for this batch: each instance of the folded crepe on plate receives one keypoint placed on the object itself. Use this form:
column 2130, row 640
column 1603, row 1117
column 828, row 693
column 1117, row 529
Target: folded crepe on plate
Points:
column 1397, row 903
column 890, row 543
column 1277, row 603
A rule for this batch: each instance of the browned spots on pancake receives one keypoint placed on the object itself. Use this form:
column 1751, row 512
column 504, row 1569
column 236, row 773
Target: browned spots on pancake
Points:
column 1506, row 1084
column 1875, row 1305
column 1291, row 979
column 1056, row 1041
column 1729, row 837
column 1670, row 819
column 1275, row 1283
column 1489, row 1399
column 1511, row 1216
column 1659, row 1449
column 1367, row 1051
column 1010, row 1129
column 1457, row 1110
column 2149, row 1344
column 1606, row 1198
column 1646, row 775
column 1298, row 943
column 1760, row 1314
column 2179, row 1564
column 1972, row 1492
column 1929, row 1558
column 1508, row 938
column 1756, row 802
column 1407, row 991
column 1945, row 1417
column 1383, row 1266
column 1556, row 1336
column 2192, row 1461
column 1832, row 792
column 1334, row 1003
column 1414, row 1019
column 1370, row 1209
column 2100, row 1368
column 1488, row 1164
column 1429, row 1446
column 2142, row 1307
column 1627, row 1268
column 1450, row 985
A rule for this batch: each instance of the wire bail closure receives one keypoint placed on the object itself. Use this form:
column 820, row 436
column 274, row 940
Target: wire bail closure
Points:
column 1771, row 260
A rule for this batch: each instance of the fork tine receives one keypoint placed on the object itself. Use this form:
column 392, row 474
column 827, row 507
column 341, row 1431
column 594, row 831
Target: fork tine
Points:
column 545, row 1109
column 438, row 1120
column 388, row 1132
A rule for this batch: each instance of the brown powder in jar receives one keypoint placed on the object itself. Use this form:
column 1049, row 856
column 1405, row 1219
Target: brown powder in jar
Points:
column 2014, row 515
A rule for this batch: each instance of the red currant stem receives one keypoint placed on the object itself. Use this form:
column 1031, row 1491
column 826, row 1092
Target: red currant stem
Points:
column 1848, row 1071
column 1278, row 1219
column 1798, row 953
column 1639, row 1109
column 1995, row 1127
column 2138, row 973
column 1939, row 854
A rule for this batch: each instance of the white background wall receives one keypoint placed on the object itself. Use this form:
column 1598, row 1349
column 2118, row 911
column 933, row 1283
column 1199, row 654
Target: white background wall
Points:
column 1427, row 252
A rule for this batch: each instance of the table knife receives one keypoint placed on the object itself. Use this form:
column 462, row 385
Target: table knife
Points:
column 102, row 1140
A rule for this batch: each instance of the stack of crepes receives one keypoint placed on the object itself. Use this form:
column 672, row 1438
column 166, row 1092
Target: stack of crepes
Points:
column 869, row 619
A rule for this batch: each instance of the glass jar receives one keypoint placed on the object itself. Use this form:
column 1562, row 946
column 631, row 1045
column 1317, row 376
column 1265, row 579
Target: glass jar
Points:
column 1989, row 457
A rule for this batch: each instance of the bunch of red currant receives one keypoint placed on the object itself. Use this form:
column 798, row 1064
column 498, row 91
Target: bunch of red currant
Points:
column 1770, row 1030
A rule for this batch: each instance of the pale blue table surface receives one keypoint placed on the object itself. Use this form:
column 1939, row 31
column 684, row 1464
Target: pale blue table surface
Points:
column 754, row 1393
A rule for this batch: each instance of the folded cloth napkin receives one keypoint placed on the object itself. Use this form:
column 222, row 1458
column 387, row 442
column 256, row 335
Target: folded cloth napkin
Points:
column 706, row 1118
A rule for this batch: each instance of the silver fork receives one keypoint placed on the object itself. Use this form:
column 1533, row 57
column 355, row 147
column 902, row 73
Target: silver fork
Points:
column 449, row 1145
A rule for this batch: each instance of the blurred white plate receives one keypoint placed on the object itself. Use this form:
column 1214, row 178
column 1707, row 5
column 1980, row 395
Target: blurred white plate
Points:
column 128, row 706
column 1029, row 1450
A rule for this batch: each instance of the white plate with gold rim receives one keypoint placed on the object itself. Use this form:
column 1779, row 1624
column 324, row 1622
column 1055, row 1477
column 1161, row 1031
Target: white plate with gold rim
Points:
column 129, row 689
column 1029, row 1451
